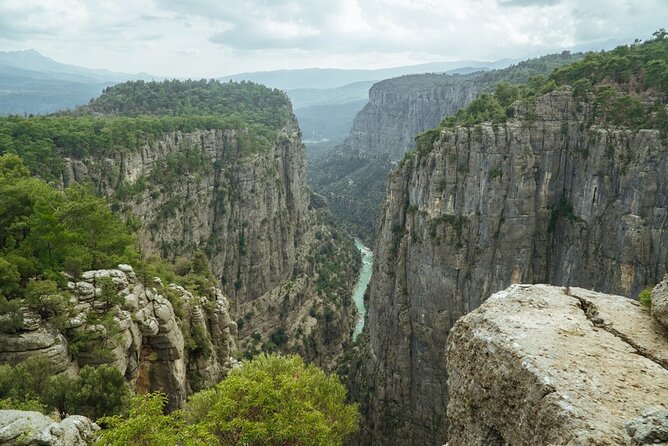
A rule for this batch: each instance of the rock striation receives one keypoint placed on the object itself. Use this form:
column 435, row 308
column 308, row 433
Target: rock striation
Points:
column 352, row 176
column 541, row 200
column 152, row 344
column 249, row 210
column 25, row 428
column 550, row 365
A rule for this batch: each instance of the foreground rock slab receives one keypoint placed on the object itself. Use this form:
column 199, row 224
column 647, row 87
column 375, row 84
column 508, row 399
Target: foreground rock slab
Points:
column 539, row 365
column 24, row 428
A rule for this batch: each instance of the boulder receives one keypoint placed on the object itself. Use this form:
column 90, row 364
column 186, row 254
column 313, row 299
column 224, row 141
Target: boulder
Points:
column 538, row 364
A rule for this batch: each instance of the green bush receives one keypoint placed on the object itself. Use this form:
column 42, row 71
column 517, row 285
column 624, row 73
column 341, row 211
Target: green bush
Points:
column 645, row 297
column 32, row 385
column 147, row 425
column 275, row 400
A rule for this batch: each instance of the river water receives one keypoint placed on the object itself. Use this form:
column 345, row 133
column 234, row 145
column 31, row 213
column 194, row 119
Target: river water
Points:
column 362, row 283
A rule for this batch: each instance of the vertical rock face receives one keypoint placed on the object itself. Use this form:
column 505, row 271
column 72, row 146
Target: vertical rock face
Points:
column 548, row 200
column 246, row 210
column 352, row 176
column 547, row 365
column 398, row 109
column 249, row 211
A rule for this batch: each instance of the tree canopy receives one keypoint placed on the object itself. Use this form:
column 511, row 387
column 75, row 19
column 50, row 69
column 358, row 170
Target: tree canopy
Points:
column 270, row 400
column 627, row 86
column 128, row 116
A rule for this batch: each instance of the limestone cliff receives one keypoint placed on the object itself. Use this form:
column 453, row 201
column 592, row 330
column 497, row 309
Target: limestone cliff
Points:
column 352, row 176
column 548, row 198
column 541, row 365
column 250, row 212
column 176, row 347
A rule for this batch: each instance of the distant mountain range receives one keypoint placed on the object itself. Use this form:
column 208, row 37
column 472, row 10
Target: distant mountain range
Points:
column 34, row 84
column 325, row 100
column 335, row 77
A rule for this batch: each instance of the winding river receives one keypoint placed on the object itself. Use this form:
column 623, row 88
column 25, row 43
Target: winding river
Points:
column 362, row 283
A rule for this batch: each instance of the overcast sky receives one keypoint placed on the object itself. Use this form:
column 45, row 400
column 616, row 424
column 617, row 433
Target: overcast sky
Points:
column 210, row 38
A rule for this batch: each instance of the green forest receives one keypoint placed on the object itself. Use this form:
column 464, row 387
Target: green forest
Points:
column 626, row 86
column 128, row 116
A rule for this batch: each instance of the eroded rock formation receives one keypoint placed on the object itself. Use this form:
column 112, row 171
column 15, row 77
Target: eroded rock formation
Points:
column 148, row 344
column 23, row 428
column 554, row 365
column 249, row 211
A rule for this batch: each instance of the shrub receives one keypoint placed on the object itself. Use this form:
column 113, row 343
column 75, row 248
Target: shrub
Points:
column 645, row 297
column 274, row 400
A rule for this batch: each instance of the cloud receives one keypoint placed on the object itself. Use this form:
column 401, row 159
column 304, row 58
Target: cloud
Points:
column 19, row 20
column 159, row 36
column 524, row 3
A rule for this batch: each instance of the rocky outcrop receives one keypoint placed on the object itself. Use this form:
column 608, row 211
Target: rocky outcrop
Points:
column 546, row 199
column 660, row 302
column 22, row 428
column 550, row 365
column 154, row 345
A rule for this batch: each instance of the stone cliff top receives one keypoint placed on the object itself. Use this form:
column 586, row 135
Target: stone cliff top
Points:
column 550, row 365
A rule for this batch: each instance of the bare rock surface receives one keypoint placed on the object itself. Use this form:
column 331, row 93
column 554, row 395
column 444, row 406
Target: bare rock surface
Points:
column 660, row 302
column 149, row 347
column 538, row 365
column 26, row 428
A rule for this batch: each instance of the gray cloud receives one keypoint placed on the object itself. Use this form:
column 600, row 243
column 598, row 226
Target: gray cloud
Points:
column 245, row 35
column 524, row 3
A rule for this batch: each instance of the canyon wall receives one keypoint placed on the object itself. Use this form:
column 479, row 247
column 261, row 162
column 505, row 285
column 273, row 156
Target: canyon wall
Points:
column 249, row 210
column 352, row 176
column 545, row 198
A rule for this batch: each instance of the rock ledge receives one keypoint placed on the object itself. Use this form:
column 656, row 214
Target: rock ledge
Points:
column 538, row 364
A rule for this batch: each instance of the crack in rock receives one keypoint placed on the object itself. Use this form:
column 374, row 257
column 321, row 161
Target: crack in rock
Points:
column 591, row 312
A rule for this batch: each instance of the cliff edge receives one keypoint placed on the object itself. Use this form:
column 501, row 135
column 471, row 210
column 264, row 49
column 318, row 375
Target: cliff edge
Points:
column 538, row 364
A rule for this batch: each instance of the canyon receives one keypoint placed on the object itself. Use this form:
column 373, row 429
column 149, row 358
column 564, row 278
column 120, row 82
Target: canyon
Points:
column 538, row 199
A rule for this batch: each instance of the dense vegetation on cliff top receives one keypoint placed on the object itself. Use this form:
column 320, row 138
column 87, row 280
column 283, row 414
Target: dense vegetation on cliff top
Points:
column 516, row 74
column 130, row 115
column 627, row 87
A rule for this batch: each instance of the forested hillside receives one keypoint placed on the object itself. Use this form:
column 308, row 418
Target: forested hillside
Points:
column 135, row 231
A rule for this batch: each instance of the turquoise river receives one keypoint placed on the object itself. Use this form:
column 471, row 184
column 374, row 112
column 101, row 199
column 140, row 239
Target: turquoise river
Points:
column 362, row 283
